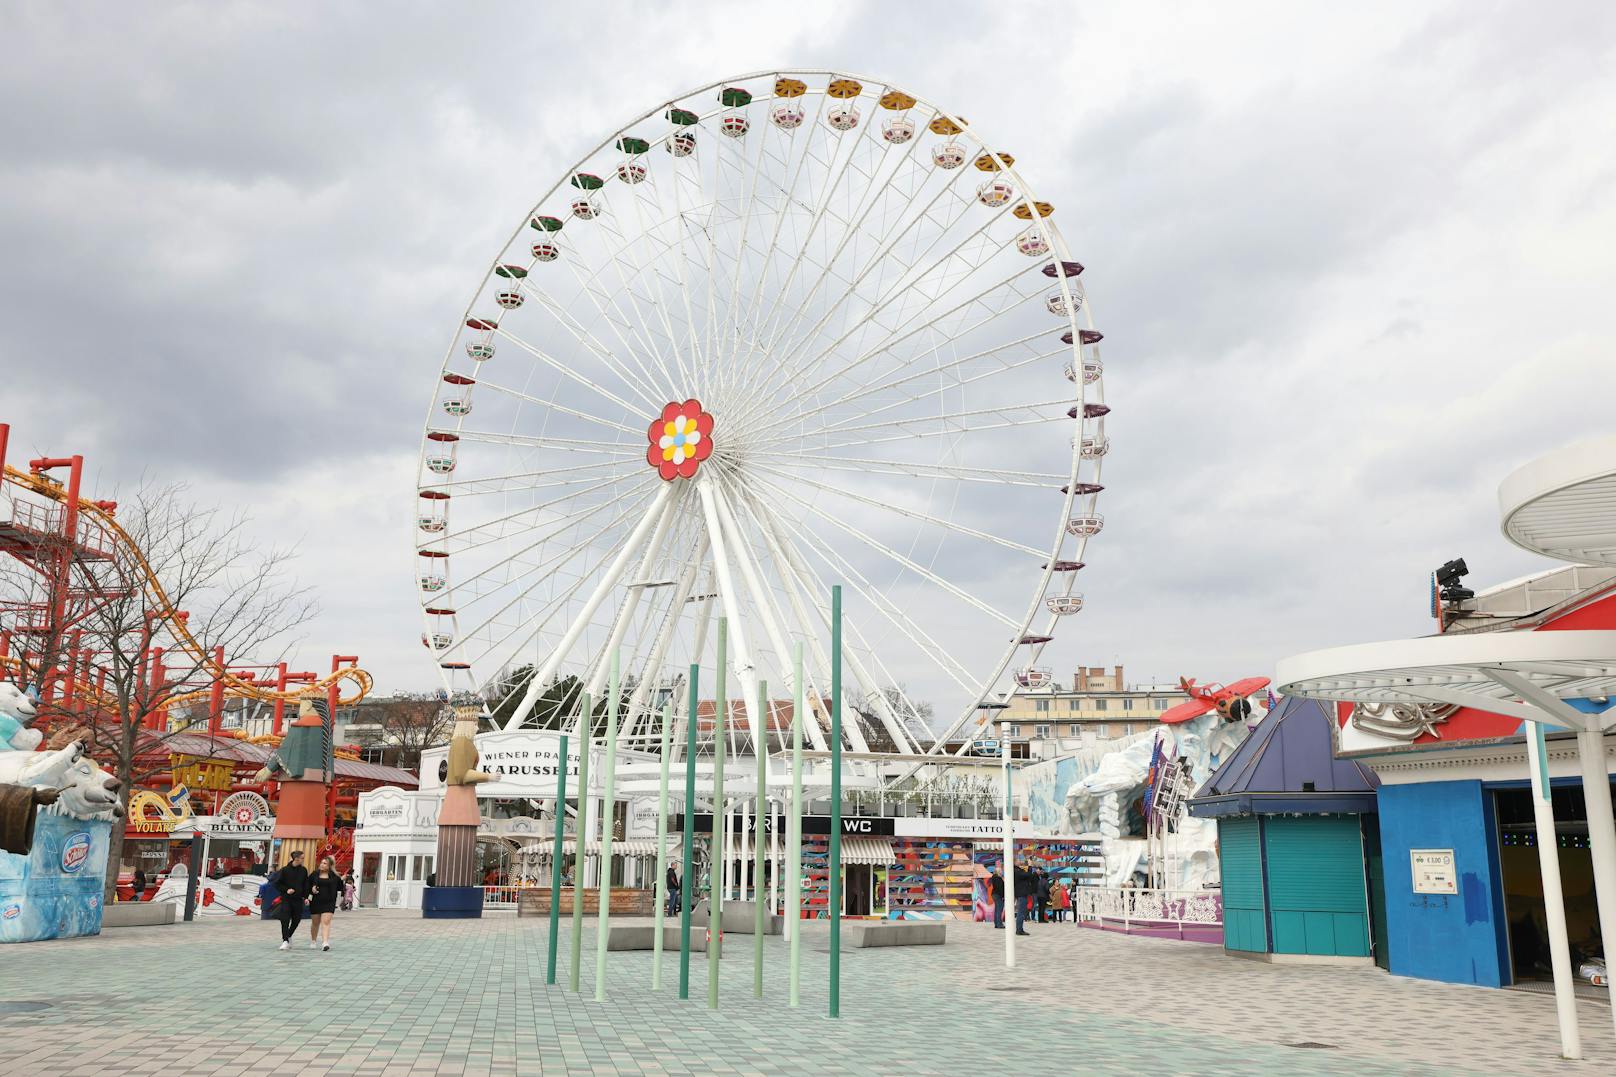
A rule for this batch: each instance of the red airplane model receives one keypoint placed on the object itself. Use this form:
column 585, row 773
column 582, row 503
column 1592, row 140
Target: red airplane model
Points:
column 1229, row 702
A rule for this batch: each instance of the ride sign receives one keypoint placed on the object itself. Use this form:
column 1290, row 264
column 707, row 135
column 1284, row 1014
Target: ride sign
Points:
column 243, row 813
column 524, row 763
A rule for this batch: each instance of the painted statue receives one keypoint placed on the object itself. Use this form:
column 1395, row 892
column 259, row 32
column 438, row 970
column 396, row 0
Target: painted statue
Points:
column 459, row 818
column 299, row 766
column 17, row 709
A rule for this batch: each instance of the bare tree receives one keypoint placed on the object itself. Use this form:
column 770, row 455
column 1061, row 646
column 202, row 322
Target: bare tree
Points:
column 185, row 581
column 409, row 722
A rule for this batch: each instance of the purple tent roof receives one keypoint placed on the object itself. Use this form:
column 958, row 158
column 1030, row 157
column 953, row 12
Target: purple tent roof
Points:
column 1288, row 765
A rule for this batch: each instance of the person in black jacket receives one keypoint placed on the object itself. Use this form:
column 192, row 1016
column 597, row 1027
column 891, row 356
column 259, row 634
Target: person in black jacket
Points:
column 292, row 883
column 325, row 886
column 1026, row 892
column 1043, row 897
column 673, row 892
column 996, row 895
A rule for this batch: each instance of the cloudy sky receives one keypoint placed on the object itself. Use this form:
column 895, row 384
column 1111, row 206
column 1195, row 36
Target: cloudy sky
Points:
column 1349, row 263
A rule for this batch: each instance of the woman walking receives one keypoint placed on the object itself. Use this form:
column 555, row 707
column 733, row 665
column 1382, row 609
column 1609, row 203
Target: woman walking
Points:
column 325, row 885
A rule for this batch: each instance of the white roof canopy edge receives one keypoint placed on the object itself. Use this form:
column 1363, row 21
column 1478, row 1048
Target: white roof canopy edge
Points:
column 1559, row 505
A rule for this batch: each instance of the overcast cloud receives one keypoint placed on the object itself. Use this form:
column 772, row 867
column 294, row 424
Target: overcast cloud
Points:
column 1349, row 262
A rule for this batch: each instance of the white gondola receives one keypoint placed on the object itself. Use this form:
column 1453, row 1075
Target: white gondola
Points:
column 1085, row 525
column 586, row 209
column 431, row 524
column 509, row 300
column 1092, row 369
column 843, row 119
column 546, row 252
column 786, row 117
column 1064, row 605
column 1056, row 304
column 457, row 405
column 431, row 583
column 437, row 641
column 480, row 350
column 682, row 144
column 442, row 465
column 734, row 126
column 898, row 131
column 995, row 193
column 1035, row 676
column 949, row 155
column 631, row 172
column 1032, row 243
column 1094, row 448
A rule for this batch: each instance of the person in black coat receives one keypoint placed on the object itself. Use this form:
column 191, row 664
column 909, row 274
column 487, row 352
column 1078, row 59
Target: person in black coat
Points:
column 325, row 888
column 1026, row 893
column 673, row 892
column 1043, row 897
column 292, row 883
column 996, row 895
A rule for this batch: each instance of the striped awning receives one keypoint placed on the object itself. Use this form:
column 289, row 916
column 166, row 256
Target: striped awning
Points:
column 624, row 847
column 873, row 851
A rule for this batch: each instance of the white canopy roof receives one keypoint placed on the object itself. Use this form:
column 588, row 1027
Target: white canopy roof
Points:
column 1563, row 505
column 1527, row 675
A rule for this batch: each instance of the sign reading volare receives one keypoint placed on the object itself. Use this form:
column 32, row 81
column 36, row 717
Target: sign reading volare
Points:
column 525, row 763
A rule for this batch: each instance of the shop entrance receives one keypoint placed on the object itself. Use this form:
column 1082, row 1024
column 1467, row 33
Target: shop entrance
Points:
column 370, row 873
column 864, row 890
column 1523, row 885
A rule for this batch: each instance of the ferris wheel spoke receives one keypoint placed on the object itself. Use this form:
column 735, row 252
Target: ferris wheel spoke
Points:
column 914, row 514
column 527, row 627
column 567, row 371
column 528, row 398
column 588, row 341
column 488, row 532
column 669, row 630
column 540, row 441
column 960, row 473
column 660, row 302
column 519, row 481
column 926, row 426
column 627, row 352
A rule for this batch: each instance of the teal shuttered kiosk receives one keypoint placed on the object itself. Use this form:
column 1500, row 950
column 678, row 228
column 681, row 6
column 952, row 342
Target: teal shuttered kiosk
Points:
column 1292, row 822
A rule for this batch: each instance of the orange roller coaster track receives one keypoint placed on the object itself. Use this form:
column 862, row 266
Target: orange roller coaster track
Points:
column 357, row 682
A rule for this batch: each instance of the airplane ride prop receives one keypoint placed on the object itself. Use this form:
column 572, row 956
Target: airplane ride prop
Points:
column 1228, row 700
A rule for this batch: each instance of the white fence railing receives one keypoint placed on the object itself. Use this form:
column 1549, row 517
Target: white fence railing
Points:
column 1129, row 906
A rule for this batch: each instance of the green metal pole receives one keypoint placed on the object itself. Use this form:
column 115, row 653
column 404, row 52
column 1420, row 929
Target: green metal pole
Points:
column 794, row 830
column 760, row 734
column 662, row 848
column 555, row 864
column 603, row 918
column 715, row 875
column 687, row 893
column 580, row 834
column 836, row 801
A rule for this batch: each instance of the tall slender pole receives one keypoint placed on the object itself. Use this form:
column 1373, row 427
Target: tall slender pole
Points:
column 603, row 917
column 1601, row 838
column 555, row 863
column 794, row 832
column 580, row 839
column 715, row 902
column 1009, row 868
column 836, row 801
column 662, row 846
column 1548, row 860
column 687, row 895
column 760, row 738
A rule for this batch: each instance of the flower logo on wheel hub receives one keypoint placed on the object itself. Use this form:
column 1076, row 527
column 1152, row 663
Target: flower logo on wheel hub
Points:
column 681, row 438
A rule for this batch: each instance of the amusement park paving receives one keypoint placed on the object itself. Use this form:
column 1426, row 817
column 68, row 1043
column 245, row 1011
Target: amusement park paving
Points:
column 401, row 995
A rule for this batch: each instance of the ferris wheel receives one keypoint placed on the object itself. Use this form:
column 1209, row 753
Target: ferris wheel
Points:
column 789, row 330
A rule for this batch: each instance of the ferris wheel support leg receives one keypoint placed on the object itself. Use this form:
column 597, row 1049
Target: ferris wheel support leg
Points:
column 659, row 650
column 632, row 600
column 653, row 513
column 745, row 671
column 803, row 602
column 760, row 599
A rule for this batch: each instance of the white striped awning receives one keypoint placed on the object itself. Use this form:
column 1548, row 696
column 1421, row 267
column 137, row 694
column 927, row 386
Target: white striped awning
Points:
column 623, row 847
column 873, row 851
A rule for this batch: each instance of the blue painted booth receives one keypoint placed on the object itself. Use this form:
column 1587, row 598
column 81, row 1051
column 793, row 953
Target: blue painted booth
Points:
column 1292, row 842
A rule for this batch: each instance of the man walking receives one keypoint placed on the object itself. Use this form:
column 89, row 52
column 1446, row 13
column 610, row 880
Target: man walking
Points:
column 996, row 895
column 1043, row 897
column 292, row 882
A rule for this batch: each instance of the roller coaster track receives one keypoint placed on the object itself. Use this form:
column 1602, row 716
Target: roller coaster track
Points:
column 359, row 682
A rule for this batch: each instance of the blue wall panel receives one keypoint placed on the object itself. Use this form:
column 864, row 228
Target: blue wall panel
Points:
column 1240, row 854
column 1457, row 938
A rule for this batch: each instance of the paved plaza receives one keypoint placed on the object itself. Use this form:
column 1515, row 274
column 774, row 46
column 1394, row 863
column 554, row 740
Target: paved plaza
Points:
column 401, row 995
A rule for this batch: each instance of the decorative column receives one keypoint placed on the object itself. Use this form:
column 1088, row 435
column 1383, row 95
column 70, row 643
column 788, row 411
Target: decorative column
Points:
column 299, row 766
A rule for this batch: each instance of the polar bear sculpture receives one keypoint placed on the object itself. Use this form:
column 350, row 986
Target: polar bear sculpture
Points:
column 16, row 711
column 88, row 792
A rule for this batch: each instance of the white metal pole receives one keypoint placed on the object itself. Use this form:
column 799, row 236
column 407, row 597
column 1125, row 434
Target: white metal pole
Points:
column 1009, row 870
column 1601, row 841
column 1548, row 858
column 661, row 881
column 625, row 615
column 793, row 864
column 745, row 671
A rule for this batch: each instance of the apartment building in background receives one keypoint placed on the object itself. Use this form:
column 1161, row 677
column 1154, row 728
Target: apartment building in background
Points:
column 1052, row 717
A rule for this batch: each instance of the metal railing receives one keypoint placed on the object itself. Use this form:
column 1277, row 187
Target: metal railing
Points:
column 1150, row 908
column 505, row 897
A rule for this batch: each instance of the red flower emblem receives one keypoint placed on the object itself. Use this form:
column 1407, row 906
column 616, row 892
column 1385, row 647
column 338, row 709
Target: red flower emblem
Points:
column 681, row 438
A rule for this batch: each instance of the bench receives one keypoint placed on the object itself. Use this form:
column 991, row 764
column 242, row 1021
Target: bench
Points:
column 740, row 917
column 138, row 914
column 643, row 937
column 896, row 933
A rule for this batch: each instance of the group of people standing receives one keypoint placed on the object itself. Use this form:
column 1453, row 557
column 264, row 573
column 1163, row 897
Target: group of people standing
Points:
column 1038, row 898
column 321, row 890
